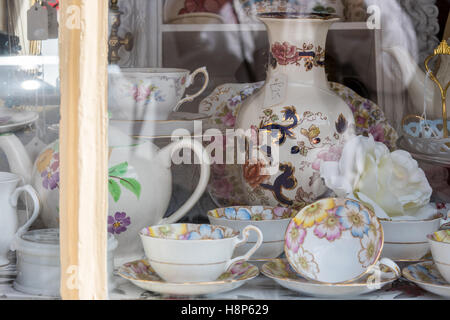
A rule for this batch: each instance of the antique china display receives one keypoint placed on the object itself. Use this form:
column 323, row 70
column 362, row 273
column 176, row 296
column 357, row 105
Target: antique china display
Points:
column 150, row 94
column 406, row 240
column 427, row 276
column 271, row 221
column 9, row 196
column 140, row 184
column 141, row 274
column 192, row 252
column 335, row 241
column 224, row 103
column 440, row 249
column 176, row 122
column 38, row 262
column 307, row 121
column 12, row 120
column 280, row 271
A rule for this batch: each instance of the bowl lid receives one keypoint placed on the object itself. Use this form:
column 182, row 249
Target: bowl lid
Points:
column 48, row 239
column 44, row 236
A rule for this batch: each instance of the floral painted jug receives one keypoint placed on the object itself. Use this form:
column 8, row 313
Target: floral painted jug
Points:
column 307, row 120
column 139, row 182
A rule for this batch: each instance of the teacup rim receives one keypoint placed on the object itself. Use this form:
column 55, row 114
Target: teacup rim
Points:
column 367, row 269
column 234, row 232
column 431, row 239
column 209, row 214
column 438, row 216
column 147, row 71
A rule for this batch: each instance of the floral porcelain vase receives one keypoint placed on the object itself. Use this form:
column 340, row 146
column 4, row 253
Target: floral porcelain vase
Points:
column 307, row 120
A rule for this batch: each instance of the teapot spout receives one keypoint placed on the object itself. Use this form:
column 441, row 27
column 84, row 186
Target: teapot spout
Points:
column 413, row 78
column 18, row 158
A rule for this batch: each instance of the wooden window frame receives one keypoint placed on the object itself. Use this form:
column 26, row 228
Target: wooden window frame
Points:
column 83, row 148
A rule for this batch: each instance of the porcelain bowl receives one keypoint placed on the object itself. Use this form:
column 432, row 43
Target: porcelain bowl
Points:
column 407, row 240
column 440, row 249
column 272, row 221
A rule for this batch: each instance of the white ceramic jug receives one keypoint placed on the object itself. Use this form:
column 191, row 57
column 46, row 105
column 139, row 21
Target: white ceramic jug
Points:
column 140, row 184
column 9, row 195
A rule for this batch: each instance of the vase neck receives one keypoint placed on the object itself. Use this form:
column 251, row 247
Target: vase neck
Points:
column 297, row 49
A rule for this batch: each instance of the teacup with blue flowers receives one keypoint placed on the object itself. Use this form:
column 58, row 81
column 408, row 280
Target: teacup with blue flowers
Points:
column 181, row 253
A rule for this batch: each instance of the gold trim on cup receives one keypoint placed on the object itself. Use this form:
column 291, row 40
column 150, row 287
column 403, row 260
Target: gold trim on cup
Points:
column 187, row 264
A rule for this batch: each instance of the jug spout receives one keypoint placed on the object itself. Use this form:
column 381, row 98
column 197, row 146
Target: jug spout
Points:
column 413, row 78
column 18, row 158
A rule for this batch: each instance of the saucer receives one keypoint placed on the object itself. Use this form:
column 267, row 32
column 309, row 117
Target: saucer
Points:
column 177, row 120
column 142, row 275
column 426, row 276
column 11, row 120
column 280, row 271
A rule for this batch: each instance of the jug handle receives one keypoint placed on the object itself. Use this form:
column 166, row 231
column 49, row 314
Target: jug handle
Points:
column 189, row 82
column 36, row 208
column 205, row 161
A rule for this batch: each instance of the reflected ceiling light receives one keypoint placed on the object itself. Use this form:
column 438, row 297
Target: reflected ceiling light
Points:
column 28, row 60
column 30, row 85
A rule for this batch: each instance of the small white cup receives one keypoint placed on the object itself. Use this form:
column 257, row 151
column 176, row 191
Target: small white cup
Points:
column 150, row 93
column 181, row 253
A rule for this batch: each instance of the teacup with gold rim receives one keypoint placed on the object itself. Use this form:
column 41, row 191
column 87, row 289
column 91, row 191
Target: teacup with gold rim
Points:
column 336, row 241
column 181, row 253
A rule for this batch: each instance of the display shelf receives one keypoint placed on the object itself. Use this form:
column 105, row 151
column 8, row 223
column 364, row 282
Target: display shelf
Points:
column 261, row 288
column 247, row 27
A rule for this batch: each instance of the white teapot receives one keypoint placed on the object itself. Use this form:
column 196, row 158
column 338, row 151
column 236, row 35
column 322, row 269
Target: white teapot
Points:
column 140, row 184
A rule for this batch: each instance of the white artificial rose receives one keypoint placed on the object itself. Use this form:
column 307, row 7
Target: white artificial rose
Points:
column 393, row 181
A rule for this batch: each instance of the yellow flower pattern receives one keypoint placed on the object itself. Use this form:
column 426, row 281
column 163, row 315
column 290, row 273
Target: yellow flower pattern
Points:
column 314, row 213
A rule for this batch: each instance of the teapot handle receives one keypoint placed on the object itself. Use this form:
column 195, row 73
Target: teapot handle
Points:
column 205, row 161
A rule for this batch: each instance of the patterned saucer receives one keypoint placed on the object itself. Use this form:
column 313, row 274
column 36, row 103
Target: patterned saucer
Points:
column 142, row 275
column 280, row 271
column 11, row 120
column 427, row 276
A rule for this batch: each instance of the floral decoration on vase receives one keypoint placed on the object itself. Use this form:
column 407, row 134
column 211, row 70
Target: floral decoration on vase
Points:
column 285, row 54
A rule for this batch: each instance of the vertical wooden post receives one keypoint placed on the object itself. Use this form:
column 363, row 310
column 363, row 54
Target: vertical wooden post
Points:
column 83, row 148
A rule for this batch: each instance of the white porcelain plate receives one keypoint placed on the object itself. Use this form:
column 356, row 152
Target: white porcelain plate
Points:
column 427, row 276
column 11, row 120
column 142, row 275
column 177, row 120
column 280, row 271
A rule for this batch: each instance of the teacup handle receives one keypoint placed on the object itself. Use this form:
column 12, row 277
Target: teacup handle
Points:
column 36, row 208
column 189, row 81
column 250, row 252
column 205, row 161
column 392, row 265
